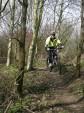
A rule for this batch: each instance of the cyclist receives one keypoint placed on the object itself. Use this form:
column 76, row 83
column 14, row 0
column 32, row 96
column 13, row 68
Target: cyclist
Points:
column 51, row 43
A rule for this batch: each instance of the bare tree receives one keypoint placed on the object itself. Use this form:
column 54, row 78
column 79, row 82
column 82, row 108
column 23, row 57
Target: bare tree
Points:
column 81, row 43
column 19, row 79
column 10, row 55
column 0, row 6
column 60, row 17
column 54, row 11
column 38, row 10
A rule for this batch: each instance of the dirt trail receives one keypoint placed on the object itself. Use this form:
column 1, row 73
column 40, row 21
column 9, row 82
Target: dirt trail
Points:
column 51, row 92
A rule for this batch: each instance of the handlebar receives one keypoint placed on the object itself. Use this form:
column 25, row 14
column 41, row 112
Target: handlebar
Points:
column 61, row 47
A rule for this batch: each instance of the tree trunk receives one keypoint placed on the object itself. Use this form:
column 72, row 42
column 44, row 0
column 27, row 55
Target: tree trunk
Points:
column 11, row 45
column 38, row 10
column 54, row 11
column 0, row 6
column 80, row 47
column 19, row 79
column 58, row 27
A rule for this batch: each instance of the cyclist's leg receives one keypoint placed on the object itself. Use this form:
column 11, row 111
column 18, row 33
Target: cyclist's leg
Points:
column 50, row 56
column 55, row 56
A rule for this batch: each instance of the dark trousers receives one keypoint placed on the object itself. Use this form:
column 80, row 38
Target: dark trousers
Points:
column 51, row 54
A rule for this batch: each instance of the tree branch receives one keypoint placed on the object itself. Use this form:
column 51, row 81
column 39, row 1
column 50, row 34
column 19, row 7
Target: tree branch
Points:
column 5, row 15
column 22, row 4
column 8, row 106
column 17, row 40
column 55, row 104
column 21, row 44
column 4, row 6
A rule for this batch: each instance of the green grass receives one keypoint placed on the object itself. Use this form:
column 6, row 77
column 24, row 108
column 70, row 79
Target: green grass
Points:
column 40, row 63
column 35, row 83
column 16, row 108
column 82, row 63
column 11, row 70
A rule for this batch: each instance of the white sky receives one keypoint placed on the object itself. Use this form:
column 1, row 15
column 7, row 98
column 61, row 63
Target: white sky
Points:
column 72, row 14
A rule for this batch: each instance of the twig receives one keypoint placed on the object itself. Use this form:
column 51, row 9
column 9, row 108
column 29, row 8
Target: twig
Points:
column 4, row 6
column 28, row 109
column 55, row 104
column 8, row 106
column 6, row 101
column 4, row 15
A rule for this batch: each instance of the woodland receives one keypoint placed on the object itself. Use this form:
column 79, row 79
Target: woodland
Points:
column 26, row 83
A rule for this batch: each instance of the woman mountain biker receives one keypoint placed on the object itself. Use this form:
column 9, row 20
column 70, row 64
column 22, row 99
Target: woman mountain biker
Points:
column 52, row 42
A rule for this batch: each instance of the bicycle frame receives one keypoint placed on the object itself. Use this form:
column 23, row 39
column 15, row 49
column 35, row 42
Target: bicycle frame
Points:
column 55, row 60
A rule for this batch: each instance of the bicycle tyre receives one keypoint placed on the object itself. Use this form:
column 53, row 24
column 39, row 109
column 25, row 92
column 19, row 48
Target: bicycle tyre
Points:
column 49, row 67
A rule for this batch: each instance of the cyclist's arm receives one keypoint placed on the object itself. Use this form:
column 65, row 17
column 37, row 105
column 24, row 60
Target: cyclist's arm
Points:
column 58, row 42
column 47, row 42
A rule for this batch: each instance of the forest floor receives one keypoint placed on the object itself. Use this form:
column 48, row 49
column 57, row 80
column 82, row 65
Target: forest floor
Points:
column 44, row 91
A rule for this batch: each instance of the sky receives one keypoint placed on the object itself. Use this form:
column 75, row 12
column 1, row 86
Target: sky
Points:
column 71, row 14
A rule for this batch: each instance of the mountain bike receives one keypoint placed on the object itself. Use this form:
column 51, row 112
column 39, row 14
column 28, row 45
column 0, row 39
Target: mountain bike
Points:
column 55, row 59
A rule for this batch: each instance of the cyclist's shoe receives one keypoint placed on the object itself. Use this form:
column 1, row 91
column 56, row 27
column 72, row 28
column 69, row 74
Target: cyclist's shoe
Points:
column 50, row 65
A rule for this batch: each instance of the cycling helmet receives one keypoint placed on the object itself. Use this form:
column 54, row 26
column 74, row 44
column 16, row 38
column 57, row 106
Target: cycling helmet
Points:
column 53, row 34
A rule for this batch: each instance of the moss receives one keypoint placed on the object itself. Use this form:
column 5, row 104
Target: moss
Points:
column 16, row 108
column 11, row 70
column 40, row 63
column 82, row 63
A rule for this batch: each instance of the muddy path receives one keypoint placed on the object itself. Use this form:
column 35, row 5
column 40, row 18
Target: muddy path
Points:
column 53, row 93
